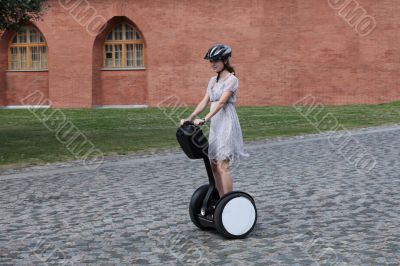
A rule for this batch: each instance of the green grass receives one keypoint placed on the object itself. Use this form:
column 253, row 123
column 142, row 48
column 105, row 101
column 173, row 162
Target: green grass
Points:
column 24, row 139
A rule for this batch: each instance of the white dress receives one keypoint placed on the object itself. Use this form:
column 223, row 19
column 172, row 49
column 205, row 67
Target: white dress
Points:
column 225, row 136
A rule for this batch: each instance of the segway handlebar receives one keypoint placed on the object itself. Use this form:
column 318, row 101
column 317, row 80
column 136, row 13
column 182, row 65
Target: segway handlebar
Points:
column 191, row 123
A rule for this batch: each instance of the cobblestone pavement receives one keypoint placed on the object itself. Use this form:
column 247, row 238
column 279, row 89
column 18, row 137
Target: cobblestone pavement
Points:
column 314, row 207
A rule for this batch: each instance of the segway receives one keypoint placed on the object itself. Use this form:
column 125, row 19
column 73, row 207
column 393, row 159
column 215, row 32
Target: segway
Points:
column 233, row 215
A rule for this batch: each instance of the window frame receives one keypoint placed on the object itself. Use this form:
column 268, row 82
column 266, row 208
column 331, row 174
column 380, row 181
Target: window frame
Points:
column 28, row 45
column 124, row 43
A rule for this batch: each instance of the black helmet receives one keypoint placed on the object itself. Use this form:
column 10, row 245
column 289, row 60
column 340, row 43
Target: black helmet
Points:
column 218, row 52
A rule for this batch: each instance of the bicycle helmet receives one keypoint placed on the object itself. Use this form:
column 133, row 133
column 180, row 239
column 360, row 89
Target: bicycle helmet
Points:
column 218, row 52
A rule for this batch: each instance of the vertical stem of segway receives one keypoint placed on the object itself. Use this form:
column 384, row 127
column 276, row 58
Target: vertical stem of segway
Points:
column 207, row 198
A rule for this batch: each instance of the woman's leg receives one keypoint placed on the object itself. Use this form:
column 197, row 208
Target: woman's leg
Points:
column 225, row 177
column 217, row 176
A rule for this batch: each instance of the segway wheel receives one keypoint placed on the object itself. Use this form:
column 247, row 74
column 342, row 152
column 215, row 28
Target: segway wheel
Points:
column 195, row 205
column 235, row 215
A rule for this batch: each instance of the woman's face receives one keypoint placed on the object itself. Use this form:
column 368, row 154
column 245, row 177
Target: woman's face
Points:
column 217, row 65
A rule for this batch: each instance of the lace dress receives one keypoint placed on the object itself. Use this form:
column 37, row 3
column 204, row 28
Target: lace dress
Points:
column 225, row 136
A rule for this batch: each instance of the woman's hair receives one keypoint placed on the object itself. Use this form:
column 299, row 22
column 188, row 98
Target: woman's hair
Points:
column 227, row 67
column 230, row 68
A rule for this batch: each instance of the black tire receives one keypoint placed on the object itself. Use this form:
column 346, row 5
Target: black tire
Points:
column 195, row 205
column 219, row 211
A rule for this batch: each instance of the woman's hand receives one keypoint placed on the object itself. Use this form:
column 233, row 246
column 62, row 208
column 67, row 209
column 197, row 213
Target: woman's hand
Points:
column 184, row 120
column 198, row 122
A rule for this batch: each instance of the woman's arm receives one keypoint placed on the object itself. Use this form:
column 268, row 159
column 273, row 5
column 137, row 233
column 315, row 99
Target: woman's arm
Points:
column 200, row 107
column 220, row 104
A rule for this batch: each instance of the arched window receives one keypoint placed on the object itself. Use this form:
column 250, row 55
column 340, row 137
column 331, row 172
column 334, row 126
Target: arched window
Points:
column 124, row 48
column 27, row 50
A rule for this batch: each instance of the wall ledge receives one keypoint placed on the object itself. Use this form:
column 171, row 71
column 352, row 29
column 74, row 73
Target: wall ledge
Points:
column 43, row 70
column 122, row 69
column 24, row 106
column 121, row 106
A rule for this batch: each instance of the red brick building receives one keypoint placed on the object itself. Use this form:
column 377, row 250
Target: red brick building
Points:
column 142, row 52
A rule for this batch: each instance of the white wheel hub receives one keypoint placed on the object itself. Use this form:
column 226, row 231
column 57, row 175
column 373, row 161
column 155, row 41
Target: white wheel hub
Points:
column 238, row 216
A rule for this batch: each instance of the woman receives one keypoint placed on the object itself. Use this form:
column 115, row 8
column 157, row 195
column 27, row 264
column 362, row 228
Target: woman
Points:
column 225, row 136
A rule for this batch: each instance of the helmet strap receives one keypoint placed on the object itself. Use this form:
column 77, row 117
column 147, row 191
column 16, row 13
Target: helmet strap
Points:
column 219, row 73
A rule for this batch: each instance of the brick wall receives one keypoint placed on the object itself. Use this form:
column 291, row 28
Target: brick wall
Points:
column 282, row 51
column 17, row 88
